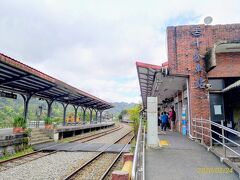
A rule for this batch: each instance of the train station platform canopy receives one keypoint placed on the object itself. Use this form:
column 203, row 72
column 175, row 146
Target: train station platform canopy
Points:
column 16, row 77
column 156, row 81
column 146, row 77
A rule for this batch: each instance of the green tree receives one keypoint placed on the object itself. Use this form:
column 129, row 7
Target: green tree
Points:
column 120, row 117
column 122, row 113
column 134, row 116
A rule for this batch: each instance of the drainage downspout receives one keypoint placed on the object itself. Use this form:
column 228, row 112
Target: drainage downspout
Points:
column 189, row 112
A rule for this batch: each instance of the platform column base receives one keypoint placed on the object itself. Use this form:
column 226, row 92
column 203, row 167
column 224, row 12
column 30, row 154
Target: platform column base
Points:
column 120, row 175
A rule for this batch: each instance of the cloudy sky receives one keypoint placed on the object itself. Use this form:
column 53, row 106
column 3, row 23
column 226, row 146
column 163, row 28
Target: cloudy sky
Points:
column 94, row 44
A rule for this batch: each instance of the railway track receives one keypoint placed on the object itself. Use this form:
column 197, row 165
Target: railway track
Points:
column 13, row 162
column 7, row 164
column 100, row 165
column 113, row 165
column 118, row 164
column 95, row 136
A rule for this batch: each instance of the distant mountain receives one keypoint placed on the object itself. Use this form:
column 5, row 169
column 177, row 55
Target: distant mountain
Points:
column 119, row 106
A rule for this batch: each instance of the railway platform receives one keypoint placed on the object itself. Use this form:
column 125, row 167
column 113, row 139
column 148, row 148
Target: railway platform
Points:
column 181, row 158
column 83, row 127
column 4, row 132
column 68, row 131
column 39, row 136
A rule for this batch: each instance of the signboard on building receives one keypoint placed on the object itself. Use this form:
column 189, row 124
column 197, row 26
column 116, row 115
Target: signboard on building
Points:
column 8, row 95
column 197, row 57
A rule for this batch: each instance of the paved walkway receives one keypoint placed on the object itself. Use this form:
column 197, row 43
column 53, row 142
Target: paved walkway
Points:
column 184, row 159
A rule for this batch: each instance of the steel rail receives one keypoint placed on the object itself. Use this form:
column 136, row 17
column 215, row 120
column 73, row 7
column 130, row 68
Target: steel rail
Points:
column 22, row 157
column 115, row 160
column 75, row 172
column 95, row 136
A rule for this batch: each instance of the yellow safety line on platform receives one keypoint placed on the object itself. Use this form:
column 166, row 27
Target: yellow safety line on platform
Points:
column 127, row 167
column 163, row 143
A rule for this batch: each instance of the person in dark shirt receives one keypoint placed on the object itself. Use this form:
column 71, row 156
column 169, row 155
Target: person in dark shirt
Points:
column 172, row 118
column 159, row 119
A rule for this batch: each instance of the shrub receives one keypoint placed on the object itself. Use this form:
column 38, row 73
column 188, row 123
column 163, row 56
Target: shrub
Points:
column 27, row 132
column 134, row 116
column 19, row 122
column 48, row 120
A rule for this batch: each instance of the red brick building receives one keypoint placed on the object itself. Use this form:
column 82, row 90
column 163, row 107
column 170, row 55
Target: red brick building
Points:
column 201, row 77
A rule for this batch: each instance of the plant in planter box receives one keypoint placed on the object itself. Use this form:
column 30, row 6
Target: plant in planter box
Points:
column 27, row 132
column 48, row 123
column 19, row 124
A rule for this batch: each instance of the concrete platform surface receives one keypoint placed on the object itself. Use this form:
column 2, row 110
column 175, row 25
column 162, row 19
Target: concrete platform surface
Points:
column 6, row 131
column 181, row 158
column 82, row 127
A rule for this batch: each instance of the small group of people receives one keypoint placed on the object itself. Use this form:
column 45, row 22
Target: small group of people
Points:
column 167, row 119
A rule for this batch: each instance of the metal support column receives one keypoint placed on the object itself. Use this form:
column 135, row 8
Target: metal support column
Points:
column 64, row 113
column 90, row 115
column 95, row 118
column 84, row 115
column 75, row 113
column 26, row 99
column 49, row 103
column 97, row 112
column 101, row 116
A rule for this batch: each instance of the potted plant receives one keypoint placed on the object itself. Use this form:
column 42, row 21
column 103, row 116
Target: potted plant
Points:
column 19, row 124
column 48, row 123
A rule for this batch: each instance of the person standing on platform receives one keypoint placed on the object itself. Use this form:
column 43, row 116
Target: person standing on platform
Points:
column 160, row 120
column 172, row 118
column 168, row 125
column 164, row 119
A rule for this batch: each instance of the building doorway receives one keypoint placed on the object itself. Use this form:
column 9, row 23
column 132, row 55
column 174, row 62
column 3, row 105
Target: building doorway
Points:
column 225, row 105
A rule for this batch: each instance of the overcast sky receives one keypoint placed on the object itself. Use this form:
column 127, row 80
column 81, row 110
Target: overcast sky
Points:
column 94, row 44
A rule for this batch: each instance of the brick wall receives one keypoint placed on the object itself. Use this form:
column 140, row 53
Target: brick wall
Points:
column 181, row 50
column 228, row 65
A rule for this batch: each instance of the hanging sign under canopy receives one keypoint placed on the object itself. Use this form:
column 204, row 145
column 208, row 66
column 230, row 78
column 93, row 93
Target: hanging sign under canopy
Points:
column 8, row 95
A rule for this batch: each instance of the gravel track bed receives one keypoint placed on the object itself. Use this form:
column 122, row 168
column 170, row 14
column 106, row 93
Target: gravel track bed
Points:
column 20, row 160
column 126, row 139
column 96, row 169
column 112, row 137
column 61, row 163
column 117, row 166
column 48, row 167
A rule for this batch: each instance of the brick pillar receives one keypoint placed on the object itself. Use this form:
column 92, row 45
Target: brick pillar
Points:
column 200, row 105
column 128, row 157
column 120, row 175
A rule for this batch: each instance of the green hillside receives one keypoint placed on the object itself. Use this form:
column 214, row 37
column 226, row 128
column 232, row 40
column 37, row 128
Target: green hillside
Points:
column 119, row 106
column 10, row 108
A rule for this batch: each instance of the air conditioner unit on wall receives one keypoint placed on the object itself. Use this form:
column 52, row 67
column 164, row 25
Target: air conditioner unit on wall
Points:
column 165, row 71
